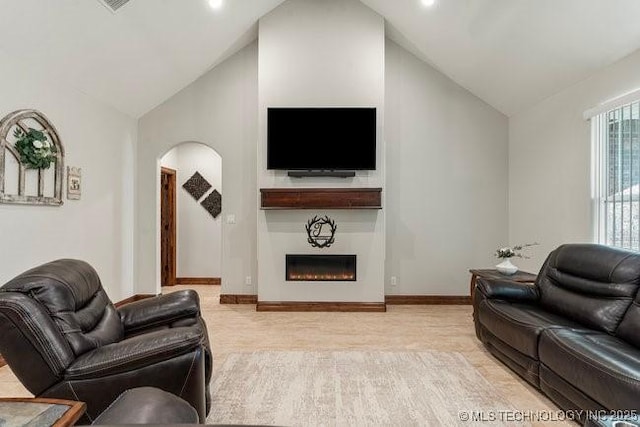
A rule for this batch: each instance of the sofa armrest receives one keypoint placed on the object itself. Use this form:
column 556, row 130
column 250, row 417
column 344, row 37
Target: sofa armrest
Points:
column 160, row 310
column 506, row 290
column 133, row 353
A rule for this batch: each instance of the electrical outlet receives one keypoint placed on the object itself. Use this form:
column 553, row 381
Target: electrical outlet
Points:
column 247, row 281
column 394, row 281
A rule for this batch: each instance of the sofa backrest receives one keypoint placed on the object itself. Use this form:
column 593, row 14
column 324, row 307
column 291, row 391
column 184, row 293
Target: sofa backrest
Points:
column 629, row 329
column 591, row 284
column 71, row 293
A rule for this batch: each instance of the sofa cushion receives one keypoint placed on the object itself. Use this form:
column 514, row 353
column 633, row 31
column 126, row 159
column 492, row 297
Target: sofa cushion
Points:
column 519, row 325
column 603, row 367
column 591, row 284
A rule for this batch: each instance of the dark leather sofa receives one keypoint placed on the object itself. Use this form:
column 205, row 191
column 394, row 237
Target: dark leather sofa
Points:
column 63, row 338
column 575, row 334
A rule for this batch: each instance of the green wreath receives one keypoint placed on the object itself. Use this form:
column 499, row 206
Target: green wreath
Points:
column 36, row 152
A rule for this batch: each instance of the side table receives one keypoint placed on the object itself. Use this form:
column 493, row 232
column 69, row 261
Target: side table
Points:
column 40, row 412
column 492, row 273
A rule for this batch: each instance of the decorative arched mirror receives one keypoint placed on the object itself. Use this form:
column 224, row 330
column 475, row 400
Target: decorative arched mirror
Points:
column 31, row 160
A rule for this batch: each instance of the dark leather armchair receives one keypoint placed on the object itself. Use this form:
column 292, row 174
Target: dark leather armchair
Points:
column 63, row 338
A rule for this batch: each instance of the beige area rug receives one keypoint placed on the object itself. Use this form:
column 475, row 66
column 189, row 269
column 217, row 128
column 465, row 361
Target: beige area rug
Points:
column 351, row 388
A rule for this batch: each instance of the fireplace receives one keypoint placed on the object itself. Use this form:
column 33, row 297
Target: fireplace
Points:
column 321, row 268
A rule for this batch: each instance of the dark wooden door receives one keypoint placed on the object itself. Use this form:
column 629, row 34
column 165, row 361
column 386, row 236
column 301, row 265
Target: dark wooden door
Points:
column 168, row 227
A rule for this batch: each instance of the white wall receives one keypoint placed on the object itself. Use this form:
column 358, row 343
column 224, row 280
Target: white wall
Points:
column 220, row 110
column 99, row 228
column 446, row 193
column 443, row 167
column 321, row 53
column 170, row 159
column 549, row 163
column 198, row 234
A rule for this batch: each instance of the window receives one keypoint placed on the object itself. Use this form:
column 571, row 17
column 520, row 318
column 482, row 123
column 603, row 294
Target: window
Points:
column 616, row 173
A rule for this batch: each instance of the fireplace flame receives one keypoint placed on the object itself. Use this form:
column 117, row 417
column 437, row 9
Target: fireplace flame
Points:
column 327, row 268
column 311, row 277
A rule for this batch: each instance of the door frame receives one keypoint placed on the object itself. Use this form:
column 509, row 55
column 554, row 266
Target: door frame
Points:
column 171, row 279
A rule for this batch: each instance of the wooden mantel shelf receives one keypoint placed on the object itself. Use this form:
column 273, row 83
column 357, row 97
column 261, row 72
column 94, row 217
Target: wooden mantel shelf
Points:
column 321, row 198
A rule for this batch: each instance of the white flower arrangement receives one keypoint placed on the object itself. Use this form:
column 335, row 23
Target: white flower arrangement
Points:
column 35, row 150
column 513, row 251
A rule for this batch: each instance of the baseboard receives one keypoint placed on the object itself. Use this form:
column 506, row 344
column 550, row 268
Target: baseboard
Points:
column 133, row 298
column 238, row 299
column 428, row 299
column 2, row 361
column 321, row 306
column 198, row 281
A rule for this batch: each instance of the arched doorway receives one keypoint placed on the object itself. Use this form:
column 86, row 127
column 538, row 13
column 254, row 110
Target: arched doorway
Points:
column 190, row 220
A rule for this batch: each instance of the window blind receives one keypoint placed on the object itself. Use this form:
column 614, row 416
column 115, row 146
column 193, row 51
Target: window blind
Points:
column 616, row 172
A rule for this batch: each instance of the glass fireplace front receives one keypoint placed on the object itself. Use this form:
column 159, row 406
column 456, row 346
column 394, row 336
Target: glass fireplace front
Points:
column 322, row 268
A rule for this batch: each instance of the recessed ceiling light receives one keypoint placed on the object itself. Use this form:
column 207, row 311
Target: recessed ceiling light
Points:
column 428, row 3
column 215, row 4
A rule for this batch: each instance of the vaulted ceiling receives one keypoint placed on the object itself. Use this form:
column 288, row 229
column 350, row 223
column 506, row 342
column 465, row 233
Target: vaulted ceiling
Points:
column 510, row 53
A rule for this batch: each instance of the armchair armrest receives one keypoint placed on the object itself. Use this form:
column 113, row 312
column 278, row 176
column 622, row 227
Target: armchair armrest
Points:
column 160, row 310
column 506, row 289
column 133, row 353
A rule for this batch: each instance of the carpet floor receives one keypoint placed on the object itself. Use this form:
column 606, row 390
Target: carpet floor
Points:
column 351, row 388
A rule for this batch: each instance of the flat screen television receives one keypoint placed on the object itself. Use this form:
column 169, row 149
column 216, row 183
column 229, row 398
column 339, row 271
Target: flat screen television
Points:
column 321, row 138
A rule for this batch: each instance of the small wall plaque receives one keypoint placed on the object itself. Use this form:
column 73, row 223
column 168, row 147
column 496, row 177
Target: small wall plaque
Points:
column 74, row 183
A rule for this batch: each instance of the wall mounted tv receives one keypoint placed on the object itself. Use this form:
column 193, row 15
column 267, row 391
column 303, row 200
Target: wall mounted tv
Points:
column 321, row 139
